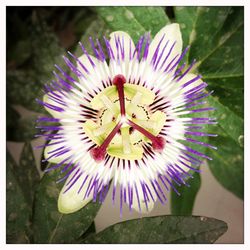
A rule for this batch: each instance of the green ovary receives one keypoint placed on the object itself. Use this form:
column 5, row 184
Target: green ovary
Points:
column 127, row 143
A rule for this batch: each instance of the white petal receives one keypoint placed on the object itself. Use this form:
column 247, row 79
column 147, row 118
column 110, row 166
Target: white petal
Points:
column 50, row 149
column 98, row 71
column 126, row 44
column 143, row 208
column 171, row 34
column 71, row 201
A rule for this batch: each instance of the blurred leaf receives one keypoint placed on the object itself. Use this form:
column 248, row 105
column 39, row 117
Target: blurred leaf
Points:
column 21, row 52
column 83, row 20
column 23, row 88
column 17, row 209
column 24, row 130
column 18, row 39
column 227, row 165
column 11, row 118
column 136, row 21
column 183, row 204
column 46, row 51
column 97, row 29
column 49, row 225
column 162, row 229
column 26, row 173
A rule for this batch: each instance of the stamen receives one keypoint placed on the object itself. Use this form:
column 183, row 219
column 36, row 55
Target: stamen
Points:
column 125, row 140
column 158, row 142
column 119, row 82
column 98, row 153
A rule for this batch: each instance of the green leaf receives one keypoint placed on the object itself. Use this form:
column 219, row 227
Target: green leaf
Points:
column 186, row 17
column 136, row 21
column 183, row 204
column 49, row 225
column 207, row 29
column 231, row 124
column 17, row 209
column 27, row 174
column 216, row 38
column 232, row 98
column 162, row 229
column 151, row 18
column 227, row 165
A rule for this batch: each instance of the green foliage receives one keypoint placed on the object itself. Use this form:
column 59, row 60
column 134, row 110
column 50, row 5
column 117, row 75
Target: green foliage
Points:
column 26, row 173
column 49, row 225
column 12, row 117
column 25, row 129
column 231, row 124
column 23, row 89
column 17, row 208
column 133, row 19
column 46, row 51
column 162, row 229
column 183, row 204
column 96, row 29
column 227, row 165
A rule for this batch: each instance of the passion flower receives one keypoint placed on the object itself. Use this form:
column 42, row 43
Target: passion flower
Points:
column 124, row 117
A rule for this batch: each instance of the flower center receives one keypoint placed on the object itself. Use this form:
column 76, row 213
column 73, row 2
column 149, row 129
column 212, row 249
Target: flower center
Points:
column 125, row 122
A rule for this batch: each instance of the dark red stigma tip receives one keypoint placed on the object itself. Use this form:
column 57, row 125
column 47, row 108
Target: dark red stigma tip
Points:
column 97, row 154
column 158, row 144
column 119, row 80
